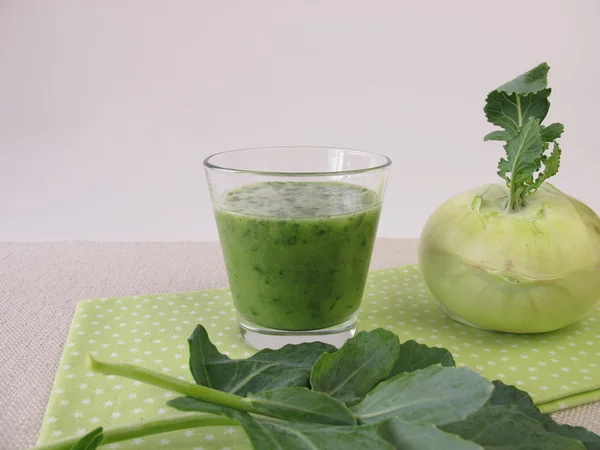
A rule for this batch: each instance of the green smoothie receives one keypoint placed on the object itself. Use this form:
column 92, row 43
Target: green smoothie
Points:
column 298, row 253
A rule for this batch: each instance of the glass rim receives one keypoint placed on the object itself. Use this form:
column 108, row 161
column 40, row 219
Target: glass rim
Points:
column 387, row 162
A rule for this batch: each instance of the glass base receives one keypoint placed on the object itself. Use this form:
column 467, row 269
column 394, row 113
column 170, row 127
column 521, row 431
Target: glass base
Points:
column 260, row 337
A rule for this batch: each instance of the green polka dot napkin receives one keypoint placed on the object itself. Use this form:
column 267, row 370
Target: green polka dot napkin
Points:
column 559, row 369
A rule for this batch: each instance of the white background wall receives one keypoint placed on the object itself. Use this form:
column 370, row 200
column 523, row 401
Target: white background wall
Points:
column 108, row 108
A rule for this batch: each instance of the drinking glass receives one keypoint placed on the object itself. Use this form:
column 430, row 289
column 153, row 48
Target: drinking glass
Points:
column 297, row 227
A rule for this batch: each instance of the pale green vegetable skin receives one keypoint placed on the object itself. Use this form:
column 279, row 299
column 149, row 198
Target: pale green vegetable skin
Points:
column 528, row 271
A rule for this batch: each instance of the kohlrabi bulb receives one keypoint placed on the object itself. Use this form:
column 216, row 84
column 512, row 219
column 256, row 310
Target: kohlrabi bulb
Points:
column 527, row 271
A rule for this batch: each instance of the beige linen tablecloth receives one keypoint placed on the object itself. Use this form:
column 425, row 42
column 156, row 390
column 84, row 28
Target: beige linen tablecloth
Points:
column 40, row 285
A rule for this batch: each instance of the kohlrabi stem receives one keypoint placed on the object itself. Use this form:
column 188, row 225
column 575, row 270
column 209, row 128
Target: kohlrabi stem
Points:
column 515, row 198
column 146, row 429
column 513, row 202
column 172, row 384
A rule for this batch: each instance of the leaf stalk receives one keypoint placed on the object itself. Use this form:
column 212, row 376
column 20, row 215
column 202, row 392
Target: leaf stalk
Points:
column 172, row 384
column 137, row 430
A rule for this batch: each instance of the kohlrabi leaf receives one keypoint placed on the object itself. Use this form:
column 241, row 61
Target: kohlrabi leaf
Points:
column 357, row 367
column 286, row 367
column 519, row 108
column 253, row 430
column 511, row 112
column 504, row 169
column 414, row 356
column 302, row 405
column 552, row 132
column 511, row 105
column 415, row 409
column 436, row 394
column 551, row 164
column 291, row 404
column 281, row 435
column 509, row 395
column 295, row 436
column 524, row 153
column 423, row 436
column 90, row 441
column 530, row 82
column 499, row 135
column 507, row 427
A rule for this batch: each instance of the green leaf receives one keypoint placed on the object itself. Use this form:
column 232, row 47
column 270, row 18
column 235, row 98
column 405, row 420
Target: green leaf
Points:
column 435, row 394
column 268, row 369
column 499, row 135
column 316, row 437
column 524, row 155
column 302, row 405
column 552, row 132
column 422, row 436
column 254, row 430
column 90, row 441
column 504, row 169
column 270, row 435
column 551, row 164
column 514, row 103
column 511, row 112
column 519, row 107
column 509, row 395
column 293, row 404
column 414, row 356
column 507, row 427
column 530, row 82
column 524, row 152
column 357, row 367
